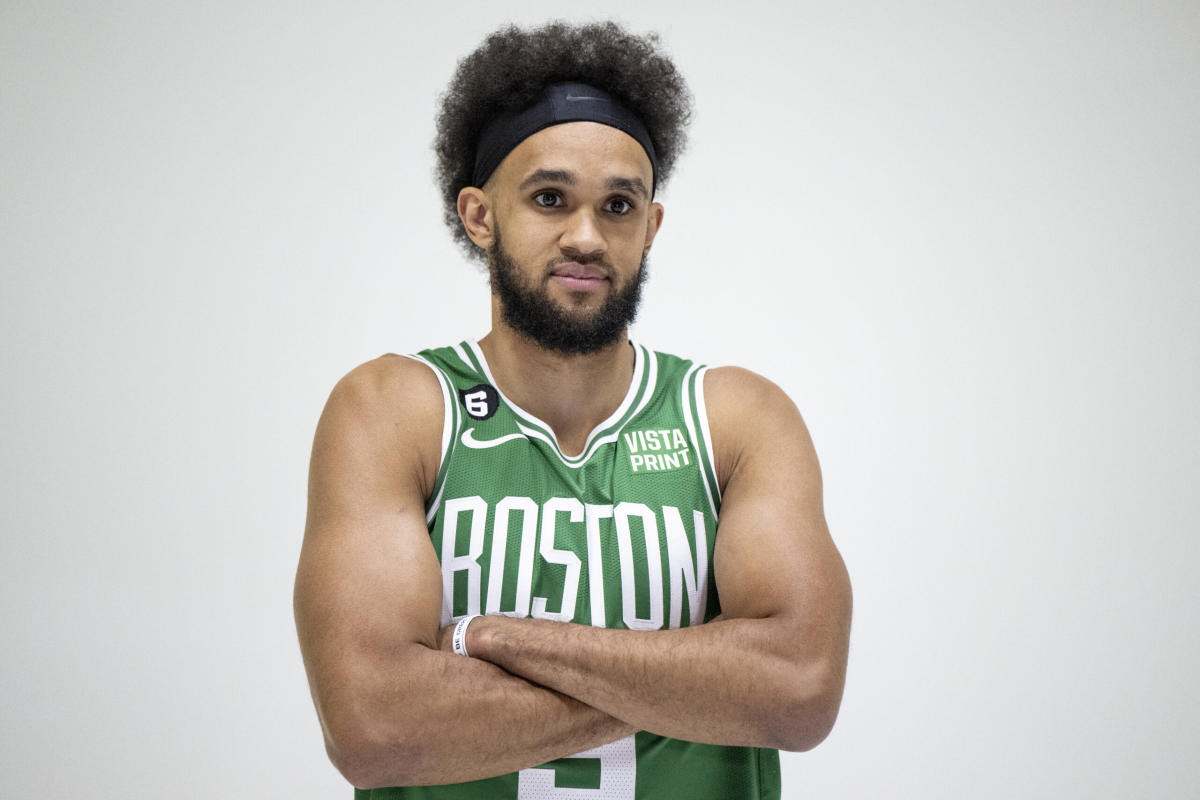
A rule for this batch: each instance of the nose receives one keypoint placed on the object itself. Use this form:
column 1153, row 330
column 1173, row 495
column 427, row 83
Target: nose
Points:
column 582, row 235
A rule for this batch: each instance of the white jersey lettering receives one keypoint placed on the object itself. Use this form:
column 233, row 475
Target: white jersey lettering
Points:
column 468, row 562
column 529, row 516
column 595, row 557
column 653, row 562
column 553, row 555
column 682, row 569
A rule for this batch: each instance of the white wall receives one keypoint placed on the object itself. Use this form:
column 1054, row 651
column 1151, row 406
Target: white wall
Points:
column 963, row 236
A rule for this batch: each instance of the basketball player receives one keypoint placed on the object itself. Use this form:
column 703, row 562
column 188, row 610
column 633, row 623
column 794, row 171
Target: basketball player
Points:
column 553, row 563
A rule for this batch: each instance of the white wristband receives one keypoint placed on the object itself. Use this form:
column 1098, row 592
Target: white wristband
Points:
column 459, row 640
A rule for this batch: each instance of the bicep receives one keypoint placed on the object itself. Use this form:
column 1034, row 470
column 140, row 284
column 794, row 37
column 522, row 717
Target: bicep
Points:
column 774, row 555
column 368, row 583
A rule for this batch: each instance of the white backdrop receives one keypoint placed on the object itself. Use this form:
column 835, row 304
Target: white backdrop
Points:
column 963, row 236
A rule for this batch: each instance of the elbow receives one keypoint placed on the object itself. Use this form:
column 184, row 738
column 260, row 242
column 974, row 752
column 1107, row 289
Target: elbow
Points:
column 357, row 760
column 809, row 711
column 374, row 737
column 370, row 757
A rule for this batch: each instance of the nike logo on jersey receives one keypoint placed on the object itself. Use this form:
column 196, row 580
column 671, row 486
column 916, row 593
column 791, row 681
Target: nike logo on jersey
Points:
column 468, row 438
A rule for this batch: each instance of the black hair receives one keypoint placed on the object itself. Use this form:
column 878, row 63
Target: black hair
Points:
column 513, row 65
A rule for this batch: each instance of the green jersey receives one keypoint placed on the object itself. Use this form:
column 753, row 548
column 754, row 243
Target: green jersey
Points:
column 619, row 536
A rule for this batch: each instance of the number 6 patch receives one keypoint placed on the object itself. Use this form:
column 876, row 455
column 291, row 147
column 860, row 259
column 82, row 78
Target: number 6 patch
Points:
column 481, row 401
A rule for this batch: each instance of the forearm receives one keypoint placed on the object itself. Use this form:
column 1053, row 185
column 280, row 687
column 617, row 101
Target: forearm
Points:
column 447, row 719
column 735, row 682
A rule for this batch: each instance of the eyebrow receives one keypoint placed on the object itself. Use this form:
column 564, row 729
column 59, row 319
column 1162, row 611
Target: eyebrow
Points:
column 548, row 176
column 633, row 185
column 567, row 178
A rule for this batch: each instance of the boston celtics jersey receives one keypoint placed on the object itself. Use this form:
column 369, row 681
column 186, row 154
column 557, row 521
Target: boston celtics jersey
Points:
column 620, row 535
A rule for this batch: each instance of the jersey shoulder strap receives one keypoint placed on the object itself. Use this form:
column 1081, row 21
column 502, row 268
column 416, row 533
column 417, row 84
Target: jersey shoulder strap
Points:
column 454, row 371
column 681, row 385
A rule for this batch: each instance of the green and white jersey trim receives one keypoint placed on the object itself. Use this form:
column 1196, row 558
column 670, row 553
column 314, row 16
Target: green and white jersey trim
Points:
column 641, row 389
column 450, row 425
column 695, row 416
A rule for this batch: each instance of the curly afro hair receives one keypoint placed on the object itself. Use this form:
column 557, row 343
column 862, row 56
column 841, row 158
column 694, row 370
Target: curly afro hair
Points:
column 511, row 68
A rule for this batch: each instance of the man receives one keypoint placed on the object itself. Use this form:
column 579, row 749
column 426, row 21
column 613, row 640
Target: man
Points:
column 513, row 578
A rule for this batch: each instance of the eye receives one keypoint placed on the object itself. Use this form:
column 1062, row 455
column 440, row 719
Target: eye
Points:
column 548, row 199
column 619, row 205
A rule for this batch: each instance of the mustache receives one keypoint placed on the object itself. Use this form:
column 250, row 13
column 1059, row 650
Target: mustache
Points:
column 586, row 259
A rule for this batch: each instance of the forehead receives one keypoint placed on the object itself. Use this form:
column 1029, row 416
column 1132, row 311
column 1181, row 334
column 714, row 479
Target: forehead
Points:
column 591, row 150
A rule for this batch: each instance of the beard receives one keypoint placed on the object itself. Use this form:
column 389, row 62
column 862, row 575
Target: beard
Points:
column 528, row 309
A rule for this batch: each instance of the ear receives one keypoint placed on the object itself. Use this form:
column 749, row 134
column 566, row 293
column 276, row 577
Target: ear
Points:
column 475, row 211
column 653, row 223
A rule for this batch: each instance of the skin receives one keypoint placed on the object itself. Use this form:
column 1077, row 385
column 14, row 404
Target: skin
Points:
column 396, row 707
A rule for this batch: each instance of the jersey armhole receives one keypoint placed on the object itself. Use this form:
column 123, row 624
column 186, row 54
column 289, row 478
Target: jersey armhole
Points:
column 695, row 415
column 450, row 425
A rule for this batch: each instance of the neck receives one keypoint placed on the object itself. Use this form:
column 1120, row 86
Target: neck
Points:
column 569, row 392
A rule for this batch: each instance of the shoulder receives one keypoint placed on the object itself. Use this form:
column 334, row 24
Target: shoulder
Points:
column 387, row 411
column 728, row 384
column 740, row 384
column 751, row 419
column 387, row 384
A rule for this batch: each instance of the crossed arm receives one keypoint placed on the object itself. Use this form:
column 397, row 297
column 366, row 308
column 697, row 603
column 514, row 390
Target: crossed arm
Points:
column 398, row 709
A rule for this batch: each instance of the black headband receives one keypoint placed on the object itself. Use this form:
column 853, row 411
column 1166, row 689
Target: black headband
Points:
column 559, row 103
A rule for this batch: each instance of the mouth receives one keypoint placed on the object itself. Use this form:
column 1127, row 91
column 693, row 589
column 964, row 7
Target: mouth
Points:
column 580, row 277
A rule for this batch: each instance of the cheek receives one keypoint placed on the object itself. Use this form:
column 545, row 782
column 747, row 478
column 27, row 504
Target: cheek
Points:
column 528, row 239
column 629, row 243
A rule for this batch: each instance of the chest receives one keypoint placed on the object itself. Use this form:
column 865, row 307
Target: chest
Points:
column 622, row 539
